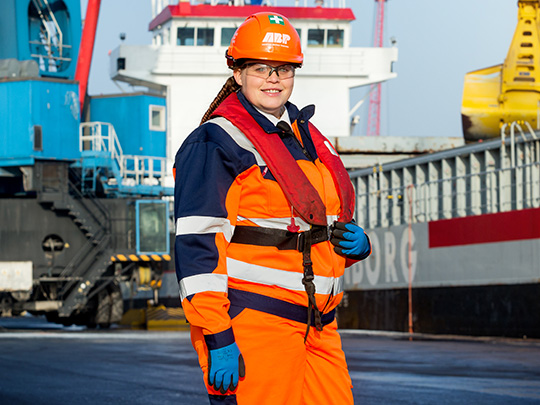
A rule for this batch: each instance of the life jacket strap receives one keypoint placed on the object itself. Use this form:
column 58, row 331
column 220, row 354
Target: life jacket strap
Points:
column 283, row 240
column 309, row 286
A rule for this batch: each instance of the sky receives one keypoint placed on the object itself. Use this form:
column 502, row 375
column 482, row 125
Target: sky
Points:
column 438, row 43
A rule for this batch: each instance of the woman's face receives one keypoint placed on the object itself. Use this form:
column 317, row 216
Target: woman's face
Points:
column 269, row 94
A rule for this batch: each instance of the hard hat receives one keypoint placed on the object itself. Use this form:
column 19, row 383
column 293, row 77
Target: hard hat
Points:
column 266, row 36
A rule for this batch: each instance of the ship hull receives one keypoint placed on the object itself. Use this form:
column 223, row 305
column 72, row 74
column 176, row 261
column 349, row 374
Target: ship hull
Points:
column 476, row 275
column 489, row 310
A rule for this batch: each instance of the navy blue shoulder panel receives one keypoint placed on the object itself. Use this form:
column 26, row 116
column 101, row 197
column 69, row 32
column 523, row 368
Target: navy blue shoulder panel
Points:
column 207, row 164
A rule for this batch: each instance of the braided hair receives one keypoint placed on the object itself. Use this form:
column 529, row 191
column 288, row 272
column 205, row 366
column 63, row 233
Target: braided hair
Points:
column 228, row 88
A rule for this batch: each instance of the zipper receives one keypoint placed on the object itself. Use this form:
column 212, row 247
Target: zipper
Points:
column 304, row 150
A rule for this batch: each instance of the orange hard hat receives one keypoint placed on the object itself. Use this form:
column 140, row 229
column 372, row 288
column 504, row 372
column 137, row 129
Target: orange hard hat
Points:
column 266, row 36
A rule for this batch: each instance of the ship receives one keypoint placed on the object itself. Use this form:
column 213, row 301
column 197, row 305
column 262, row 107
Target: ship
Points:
column 186, row 60
column 454, row 226
column 456, row 233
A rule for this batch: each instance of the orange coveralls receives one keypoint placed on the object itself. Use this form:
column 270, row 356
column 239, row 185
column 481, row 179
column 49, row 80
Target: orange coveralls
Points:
column 251, row 293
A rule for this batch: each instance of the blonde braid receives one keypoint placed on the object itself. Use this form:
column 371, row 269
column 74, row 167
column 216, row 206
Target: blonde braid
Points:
column 228, row 88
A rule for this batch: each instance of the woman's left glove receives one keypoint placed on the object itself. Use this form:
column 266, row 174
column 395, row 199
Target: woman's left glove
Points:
column 225, row 367
column 350, row 240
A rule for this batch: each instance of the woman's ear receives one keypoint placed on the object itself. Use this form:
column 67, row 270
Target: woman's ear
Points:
column 237, row 73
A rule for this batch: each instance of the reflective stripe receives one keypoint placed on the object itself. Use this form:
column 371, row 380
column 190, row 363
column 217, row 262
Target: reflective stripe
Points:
column 283, row 223
column 331, row 218
column 202, row 283
column 201, row 225
column 338, row 285
column 281, row 278
column 239, row 137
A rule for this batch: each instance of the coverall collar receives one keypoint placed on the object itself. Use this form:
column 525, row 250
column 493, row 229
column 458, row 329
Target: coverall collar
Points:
column 294, row 114
column 274, row 120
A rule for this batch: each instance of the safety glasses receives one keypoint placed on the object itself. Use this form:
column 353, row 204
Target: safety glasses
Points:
column 264, row 71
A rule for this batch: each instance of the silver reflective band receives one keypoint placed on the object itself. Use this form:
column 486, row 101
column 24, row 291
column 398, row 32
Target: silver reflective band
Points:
column 238, row 137
column 283, row 223
column 201, row 225
column 289, row 280
column 202, row 283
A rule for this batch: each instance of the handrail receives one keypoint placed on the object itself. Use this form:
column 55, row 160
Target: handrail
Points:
column 148, row 170
column 483, row 178
column 49, row 41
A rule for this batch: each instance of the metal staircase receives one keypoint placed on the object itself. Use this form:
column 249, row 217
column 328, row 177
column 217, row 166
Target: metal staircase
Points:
column 105, row 165
column 93, row 259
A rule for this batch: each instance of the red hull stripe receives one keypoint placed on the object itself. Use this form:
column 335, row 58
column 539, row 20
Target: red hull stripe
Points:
column 183, row 10
column 488, row 228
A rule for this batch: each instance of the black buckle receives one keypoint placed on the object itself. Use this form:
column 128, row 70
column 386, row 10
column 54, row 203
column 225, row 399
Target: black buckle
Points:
column 300, row 239
column 318, row 234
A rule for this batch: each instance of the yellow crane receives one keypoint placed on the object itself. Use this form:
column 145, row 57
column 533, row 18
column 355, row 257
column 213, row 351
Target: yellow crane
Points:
column 509, row 92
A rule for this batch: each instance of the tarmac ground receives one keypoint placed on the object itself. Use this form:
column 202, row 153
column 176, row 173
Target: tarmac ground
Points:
column 42, row 363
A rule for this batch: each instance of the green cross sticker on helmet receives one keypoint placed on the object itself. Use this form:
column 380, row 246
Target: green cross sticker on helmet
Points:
column 276, row 19
column 265, row 36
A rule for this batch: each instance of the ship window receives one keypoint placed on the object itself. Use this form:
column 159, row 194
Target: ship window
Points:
column 315, row 37
column 157, row 118
column 152, row 227
column 205, row 36
column 226, row 36
column 185, row 37
column 335, row 38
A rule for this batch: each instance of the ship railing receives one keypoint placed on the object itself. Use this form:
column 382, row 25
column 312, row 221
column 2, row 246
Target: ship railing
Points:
column 134, row 170
column 52, row 38
column 100, row 137
column 483, row 178
column 147, row 170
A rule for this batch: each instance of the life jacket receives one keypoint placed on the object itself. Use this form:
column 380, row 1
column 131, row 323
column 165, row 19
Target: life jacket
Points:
column 295, row 185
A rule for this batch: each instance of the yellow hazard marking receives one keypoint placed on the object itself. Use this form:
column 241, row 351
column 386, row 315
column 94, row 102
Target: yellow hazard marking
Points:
column 155, row 318
column 135, row 258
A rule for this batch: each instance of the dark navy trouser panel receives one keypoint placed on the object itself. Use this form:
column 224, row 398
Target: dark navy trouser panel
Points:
column 222, row 399
column 245, row 299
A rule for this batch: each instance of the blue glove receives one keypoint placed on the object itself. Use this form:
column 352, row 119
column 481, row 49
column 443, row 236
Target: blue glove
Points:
column 350, row 240
column 225, row 366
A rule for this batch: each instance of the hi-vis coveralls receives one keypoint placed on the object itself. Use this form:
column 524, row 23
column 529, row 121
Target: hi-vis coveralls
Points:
column 246, row 289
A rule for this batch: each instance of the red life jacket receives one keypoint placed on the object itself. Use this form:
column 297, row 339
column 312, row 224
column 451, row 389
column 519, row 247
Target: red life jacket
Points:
column 295, row 185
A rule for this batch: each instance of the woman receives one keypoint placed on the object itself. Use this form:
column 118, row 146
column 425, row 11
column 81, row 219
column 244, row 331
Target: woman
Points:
column 264, row 209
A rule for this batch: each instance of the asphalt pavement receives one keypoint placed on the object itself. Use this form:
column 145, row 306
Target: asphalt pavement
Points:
column 42, row 363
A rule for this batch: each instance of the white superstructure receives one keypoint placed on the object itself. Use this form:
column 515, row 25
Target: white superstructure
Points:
column 187, row 62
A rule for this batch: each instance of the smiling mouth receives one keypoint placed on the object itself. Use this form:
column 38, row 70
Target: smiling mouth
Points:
column 272, row 91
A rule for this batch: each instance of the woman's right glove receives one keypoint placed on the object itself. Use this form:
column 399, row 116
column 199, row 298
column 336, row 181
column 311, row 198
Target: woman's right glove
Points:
column 350, row 240
column 225, row 367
